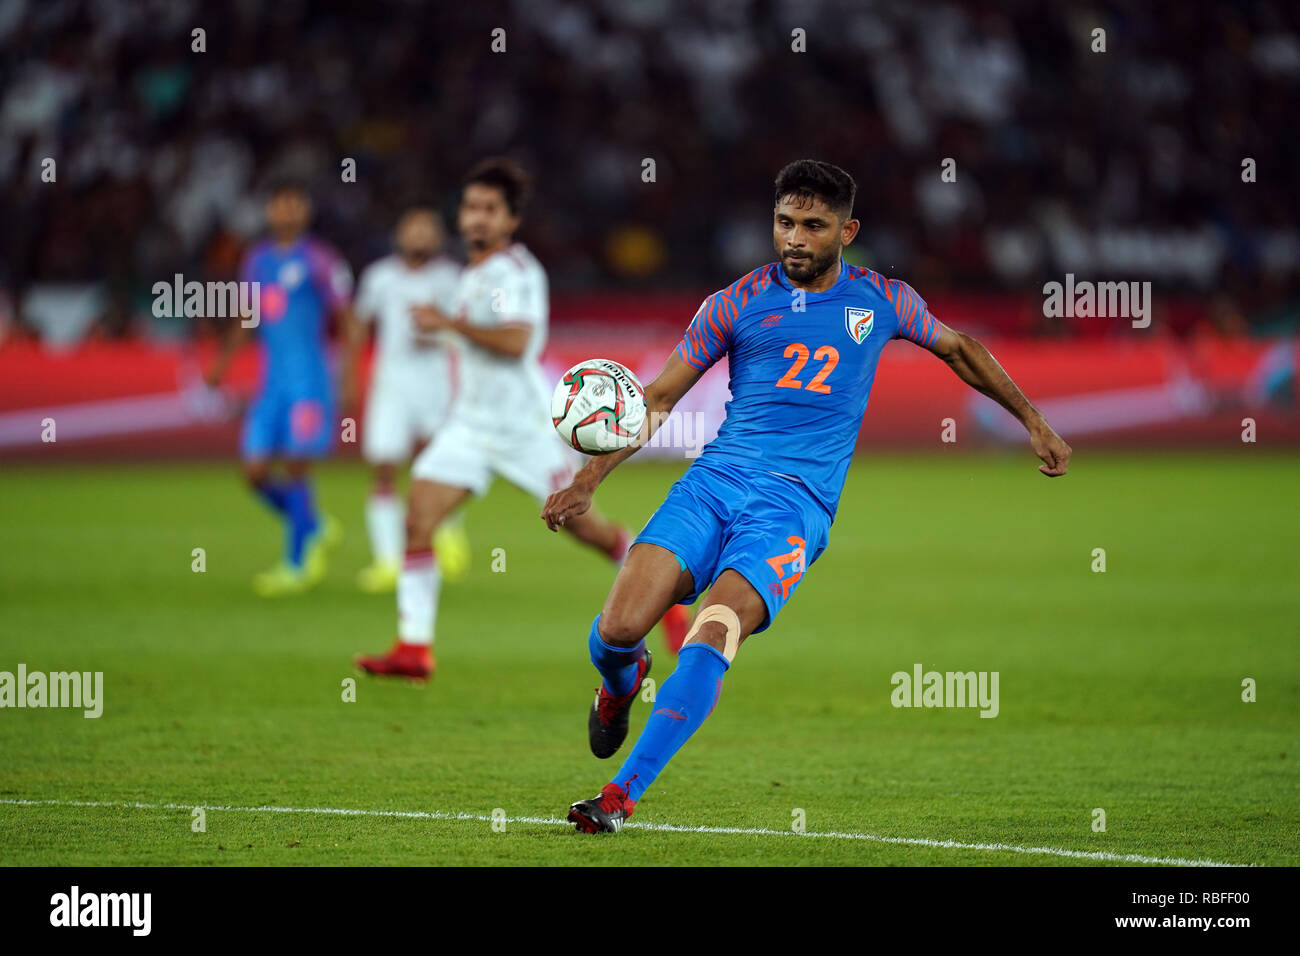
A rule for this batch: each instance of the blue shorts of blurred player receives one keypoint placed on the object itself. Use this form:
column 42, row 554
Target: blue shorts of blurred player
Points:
column 290, row 424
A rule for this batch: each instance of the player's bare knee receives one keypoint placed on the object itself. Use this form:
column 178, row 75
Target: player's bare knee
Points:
column 622, row 627
column 584, row 528
column 385, row 478
column 574, row 525
column 256, row 473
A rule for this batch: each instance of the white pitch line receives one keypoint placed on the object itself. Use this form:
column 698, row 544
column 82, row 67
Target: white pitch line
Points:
column 657, row 827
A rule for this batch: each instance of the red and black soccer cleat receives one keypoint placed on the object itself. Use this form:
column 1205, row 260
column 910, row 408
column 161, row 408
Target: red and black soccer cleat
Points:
column 676, row 623
column 414, row 661
column 606, row 812
column 607, row 722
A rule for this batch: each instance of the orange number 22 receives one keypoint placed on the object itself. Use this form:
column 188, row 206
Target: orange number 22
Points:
column 799, row 352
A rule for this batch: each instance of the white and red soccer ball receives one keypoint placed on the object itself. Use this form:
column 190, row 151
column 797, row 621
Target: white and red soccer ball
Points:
column 598, row 406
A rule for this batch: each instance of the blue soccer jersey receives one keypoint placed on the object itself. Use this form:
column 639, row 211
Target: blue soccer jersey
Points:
column 801, row 364
column 299, row 287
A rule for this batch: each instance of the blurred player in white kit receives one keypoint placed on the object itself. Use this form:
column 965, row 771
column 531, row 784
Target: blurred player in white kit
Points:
column 415, row 380
column 500, row 420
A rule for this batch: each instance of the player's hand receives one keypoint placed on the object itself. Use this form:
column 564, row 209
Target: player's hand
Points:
column 204, row 403
column 565, row 504
column 429, row 318
column 213, row 376
column 1052, row 448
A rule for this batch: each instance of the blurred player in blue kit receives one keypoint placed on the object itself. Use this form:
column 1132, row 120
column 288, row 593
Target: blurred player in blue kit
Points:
column 303, row 283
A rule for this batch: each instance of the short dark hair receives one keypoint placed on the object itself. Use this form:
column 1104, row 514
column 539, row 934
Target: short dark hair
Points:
column 813, row 179
column 506, row 175
column 418, row 200
column 279, row 185
column 419, row 204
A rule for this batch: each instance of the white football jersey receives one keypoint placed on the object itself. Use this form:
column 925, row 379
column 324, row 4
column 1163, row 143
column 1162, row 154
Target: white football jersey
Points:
column 386, row 293
column 498, row 391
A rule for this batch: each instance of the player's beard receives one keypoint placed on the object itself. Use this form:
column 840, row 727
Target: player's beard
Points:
column 478, row 245
column 480, row 238
column 810, row 269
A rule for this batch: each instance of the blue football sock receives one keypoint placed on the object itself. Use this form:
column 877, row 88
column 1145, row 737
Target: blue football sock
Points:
column 617, row 665
column 275, row 494
column 684, row 700
column 301, row 511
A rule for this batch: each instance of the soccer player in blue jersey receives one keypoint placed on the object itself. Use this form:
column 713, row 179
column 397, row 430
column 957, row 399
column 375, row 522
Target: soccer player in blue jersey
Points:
column 753, row 512
column 303, row 282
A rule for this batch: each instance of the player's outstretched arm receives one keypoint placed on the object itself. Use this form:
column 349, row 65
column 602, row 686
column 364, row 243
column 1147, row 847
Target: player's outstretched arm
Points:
column 231, row 339
column 661, row 396
column 352, row 332
column 507, row 338
column 973, row 364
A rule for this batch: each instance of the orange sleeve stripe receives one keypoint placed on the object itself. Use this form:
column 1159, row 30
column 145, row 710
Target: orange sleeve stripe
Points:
column 690, row 359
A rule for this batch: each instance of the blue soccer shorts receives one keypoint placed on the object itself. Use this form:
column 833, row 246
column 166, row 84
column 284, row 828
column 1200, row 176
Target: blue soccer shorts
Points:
column 768, row 528
column 291, row 424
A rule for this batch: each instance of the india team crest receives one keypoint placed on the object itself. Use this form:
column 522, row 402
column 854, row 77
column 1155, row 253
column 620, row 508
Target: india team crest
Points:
column 291, row 274
column 858, row 322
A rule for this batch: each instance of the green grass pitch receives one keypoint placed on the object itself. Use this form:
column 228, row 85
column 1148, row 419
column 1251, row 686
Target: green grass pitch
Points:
column 1119, row 690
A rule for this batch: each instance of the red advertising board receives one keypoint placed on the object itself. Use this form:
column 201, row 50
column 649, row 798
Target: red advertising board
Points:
column 146, row 400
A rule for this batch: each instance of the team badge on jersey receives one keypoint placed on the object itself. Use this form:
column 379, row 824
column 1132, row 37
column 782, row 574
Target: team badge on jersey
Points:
column 291, row 274
column 858, row 322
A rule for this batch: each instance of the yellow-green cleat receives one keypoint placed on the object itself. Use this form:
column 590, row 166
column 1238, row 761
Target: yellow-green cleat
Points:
column 281, row 581
column 452, row 546
column 315, row 553
column 378, row 578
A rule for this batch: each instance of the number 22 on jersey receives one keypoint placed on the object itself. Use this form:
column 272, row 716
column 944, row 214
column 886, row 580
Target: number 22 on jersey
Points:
column 827, row 354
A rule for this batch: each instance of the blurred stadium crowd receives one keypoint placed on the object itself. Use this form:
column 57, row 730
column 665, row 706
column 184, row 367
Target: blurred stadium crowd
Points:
column 1125, row 164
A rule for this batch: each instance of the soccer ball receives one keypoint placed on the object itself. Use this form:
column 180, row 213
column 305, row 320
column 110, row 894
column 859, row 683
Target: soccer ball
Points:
column 598, row 407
